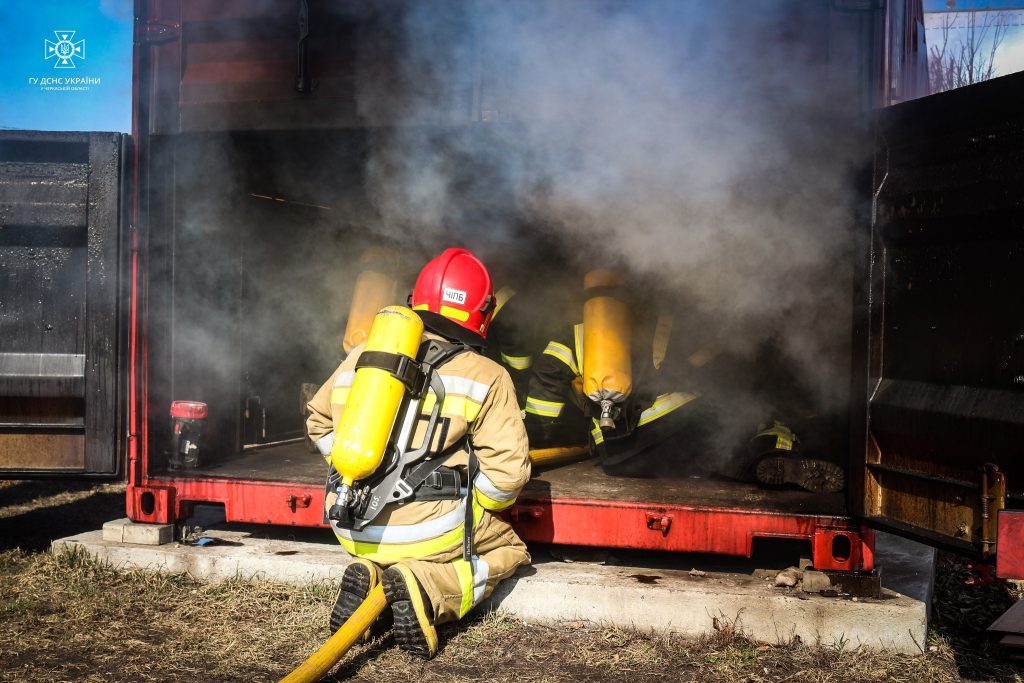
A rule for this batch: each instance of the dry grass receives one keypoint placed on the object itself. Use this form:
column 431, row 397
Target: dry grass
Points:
column 68, row 617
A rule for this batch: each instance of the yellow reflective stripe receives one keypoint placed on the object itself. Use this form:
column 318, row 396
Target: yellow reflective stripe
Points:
column 339, row 395
column 665, row 404
column 536, row 406
column 420, row 307
column 784, row 436
column 449, row 312
column 389, row 553
column 491, row 504
column 453, row 405
column 502, row 297
column 577, row 333
column 517, row 362
column 562, row 353
column 596, row 434
column 464, row 570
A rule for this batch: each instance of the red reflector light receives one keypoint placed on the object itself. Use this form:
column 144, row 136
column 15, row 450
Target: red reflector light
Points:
column 192, row 410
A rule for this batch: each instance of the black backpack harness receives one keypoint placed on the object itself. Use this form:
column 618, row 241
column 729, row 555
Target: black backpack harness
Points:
column 410, row 474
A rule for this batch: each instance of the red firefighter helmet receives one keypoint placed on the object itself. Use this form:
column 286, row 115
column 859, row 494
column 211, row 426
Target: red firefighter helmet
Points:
column 457, row 286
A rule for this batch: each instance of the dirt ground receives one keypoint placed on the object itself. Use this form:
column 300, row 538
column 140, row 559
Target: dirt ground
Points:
column 69, row 618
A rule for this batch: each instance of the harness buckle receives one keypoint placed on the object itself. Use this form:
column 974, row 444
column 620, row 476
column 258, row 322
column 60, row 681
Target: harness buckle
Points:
column 402, row 489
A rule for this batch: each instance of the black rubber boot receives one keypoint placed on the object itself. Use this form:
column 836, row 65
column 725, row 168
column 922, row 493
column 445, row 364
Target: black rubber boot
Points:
column 359, row 579
column 414, row 617
column 812, row 474
column 780, row 461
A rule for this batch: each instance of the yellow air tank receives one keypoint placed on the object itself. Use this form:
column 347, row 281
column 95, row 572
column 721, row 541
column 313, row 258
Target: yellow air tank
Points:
column 375, row 398
column 374, row 289
column 607, row 371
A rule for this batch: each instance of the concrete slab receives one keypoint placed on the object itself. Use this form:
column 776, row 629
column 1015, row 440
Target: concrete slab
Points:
column 233, row 554
column 661, row 599
column 676, row 601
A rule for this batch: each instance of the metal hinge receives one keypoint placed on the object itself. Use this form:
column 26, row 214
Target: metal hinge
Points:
column 993, row 499
column 156, row 32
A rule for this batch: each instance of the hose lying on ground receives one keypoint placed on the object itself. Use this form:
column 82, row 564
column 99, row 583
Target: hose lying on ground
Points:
column 544, row 457
column 321, row 661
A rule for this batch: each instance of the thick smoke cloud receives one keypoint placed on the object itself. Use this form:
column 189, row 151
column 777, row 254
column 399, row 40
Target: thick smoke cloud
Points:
column 706, row 148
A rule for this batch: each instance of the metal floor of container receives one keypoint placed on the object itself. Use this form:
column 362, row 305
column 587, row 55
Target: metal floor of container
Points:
column 293, row 463
column 586, row 481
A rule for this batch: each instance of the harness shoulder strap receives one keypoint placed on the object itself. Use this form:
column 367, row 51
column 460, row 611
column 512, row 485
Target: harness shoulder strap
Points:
column 467, row 528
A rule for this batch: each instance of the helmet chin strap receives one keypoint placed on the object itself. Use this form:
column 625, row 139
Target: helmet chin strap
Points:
column 438, row 324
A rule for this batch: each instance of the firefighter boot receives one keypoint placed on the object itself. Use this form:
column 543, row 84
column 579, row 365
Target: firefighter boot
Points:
column 360, row 577
column 414, row 628
column 781, row 462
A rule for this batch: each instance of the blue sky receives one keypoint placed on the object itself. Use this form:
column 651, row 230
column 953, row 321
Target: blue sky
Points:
column 1009, row 58
column 942, row 5
column 106, row 28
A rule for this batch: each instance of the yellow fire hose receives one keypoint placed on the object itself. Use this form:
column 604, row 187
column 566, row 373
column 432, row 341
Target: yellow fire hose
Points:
column 544, row 457
column 321, row 661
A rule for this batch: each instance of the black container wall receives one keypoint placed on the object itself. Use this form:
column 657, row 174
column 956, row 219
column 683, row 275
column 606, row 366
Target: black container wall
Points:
column 945, row 343
column 62, row 303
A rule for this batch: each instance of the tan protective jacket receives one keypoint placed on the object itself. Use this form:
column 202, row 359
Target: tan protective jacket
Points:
column 480, row 402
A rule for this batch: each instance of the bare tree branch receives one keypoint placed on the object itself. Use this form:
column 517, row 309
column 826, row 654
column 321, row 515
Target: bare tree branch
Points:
column 972, row 59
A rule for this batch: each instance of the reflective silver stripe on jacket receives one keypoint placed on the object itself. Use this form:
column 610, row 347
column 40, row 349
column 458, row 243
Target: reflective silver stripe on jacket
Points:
column 324, row 443
column 577, row 334
column 345, row 379
column 406, row 533
column 487, row 487
column 537, row 406
column 462, row 386
column 562, row 353
column 517, row 362
column 665, row 404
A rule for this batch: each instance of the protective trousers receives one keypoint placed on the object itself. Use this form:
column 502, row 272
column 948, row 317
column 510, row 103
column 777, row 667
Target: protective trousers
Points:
column 455, row 586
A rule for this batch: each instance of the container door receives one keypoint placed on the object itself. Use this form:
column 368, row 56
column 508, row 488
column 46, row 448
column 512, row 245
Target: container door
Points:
column 61, row 344
column 941, row 336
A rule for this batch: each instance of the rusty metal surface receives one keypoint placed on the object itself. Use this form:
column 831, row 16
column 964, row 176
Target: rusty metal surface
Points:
column 291, row 462
column 40, row 450
column 586, row 480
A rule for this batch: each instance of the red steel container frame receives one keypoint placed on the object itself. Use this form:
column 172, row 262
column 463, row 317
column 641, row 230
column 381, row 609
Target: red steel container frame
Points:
column 838, row 542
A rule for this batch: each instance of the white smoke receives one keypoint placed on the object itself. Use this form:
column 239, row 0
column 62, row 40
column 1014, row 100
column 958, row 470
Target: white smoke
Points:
column 706, row 148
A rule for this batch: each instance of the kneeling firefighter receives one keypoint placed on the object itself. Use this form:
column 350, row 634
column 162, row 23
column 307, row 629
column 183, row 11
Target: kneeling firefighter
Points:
column 426, row 443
